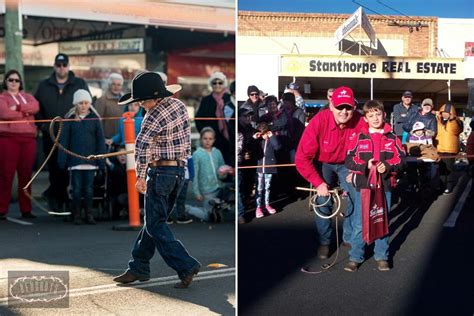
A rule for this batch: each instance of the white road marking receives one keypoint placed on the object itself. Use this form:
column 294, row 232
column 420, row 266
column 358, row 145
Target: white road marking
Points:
column 14, row 220
column 205, row 275
column 451, row 221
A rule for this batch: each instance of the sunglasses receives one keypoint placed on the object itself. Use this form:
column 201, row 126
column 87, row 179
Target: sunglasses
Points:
column 407, row 96
column 217, row 83
column 13, row 80
column 344, row 106
column 59, row 65
column 253, row 94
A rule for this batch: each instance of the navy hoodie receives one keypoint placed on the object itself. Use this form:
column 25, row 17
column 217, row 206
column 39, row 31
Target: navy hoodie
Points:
column 83, row 137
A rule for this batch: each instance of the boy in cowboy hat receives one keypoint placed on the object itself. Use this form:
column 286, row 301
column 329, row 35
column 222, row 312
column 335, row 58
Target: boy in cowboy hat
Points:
column 161, row 151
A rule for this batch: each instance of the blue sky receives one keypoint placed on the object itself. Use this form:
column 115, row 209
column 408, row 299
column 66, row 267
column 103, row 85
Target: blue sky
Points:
column 439, row 8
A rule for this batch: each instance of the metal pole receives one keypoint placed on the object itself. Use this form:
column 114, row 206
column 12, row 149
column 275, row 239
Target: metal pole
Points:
column 371, row 88
column 13, row 37
column 449, row 89
column 360, row 39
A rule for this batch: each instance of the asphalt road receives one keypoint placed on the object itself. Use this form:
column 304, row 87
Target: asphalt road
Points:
column 94, row 254
column 432, row 265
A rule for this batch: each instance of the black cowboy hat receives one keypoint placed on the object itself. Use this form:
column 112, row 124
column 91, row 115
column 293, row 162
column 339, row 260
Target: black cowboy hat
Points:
column 146, row 86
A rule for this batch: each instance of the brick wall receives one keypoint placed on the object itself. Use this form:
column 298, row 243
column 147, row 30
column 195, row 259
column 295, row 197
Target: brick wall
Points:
column 416, row 44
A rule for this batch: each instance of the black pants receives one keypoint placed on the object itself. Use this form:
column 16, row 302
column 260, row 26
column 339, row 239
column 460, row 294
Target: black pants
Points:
column 446, row 171
column 58, row 178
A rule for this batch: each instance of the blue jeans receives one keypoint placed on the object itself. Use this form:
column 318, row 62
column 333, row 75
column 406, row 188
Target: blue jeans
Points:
column 179, row 211
column 163, row 185
column 263, row 188
column 82, row 187
column 240, row 204
column 332, row 174
column 356, row 253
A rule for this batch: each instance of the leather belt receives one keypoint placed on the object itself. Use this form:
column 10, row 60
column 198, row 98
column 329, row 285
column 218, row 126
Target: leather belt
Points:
column 167, row 163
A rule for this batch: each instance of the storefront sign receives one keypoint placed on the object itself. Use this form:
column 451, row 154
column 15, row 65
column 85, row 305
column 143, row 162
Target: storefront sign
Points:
column 34, row 56
column 468, row 49
column 359, row 18
column 372, row 67
column 367, row 27
column 348, row 26
column 119, row 46
column 130, row 62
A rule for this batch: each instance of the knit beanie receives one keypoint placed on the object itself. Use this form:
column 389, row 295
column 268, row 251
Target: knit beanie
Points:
column 81, row 95
column 251, row 89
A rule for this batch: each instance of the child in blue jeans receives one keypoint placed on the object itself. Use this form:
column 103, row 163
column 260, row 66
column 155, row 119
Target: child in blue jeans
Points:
column 376, row 144
column 269, row 145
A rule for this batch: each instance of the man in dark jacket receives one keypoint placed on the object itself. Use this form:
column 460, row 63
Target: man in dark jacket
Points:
column 247, row 153
column 253, row 102
column 401, row 112
column 55, row 96
column 290, row 125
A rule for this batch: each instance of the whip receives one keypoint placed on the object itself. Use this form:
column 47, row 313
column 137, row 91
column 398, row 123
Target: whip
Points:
column 335, row 196
column 55, row 139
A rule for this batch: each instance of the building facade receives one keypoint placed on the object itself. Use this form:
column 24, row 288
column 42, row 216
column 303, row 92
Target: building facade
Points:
column 321, row 51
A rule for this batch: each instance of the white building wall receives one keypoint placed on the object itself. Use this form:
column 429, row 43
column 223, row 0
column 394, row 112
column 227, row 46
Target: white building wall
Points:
column 452, row 34
column 260, row 70
column 304, row 45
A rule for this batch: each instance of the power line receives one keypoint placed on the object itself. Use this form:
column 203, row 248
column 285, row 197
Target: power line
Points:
column 393, row 9
column 378, row 13
column 411, row 26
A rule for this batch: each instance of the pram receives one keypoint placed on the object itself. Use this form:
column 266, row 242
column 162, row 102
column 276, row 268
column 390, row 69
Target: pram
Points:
column 223, row 207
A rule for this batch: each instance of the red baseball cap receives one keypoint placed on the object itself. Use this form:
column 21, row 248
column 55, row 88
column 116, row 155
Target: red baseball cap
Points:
column 343, row 95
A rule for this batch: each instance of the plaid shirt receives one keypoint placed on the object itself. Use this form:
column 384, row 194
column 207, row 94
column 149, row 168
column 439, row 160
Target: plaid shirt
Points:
column 165, row 135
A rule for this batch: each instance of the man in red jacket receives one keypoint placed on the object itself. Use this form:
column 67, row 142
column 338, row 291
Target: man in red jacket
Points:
column 320, row 159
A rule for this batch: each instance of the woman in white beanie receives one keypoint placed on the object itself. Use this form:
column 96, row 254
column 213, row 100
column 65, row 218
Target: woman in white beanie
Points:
column 213, row 106
column 85, row 137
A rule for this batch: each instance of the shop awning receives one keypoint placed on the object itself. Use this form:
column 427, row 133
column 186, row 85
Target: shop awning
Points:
column 209, row 15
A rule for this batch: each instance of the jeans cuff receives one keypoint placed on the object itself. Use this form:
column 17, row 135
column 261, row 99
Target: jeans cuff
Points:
column 135, row 273
column 380, row 259
column 355, row 260
column 196, row 266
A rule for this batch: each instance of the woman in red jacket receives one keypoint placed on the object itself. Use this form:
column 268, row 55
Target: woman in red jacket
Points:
column 17, row 140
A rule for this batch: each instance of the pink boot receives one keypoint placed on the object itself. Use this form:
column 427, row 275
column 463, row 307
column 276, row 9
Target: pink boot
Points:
column 258, row 212
column 270, row 209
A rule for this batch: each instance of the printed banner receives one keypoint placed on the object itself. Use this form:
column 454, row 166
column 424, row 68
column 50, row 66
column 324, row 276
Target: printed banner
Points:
column 381, row 67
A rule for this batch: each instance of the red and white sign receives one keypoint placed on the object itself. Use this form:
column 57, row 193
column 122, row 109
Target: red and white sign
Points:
column 468, row 49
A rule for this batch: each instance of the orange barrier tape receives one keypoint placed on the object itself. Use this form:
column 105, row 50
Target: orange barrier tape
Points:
column 109, row 118
column 268, row 166
column 293, row 165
